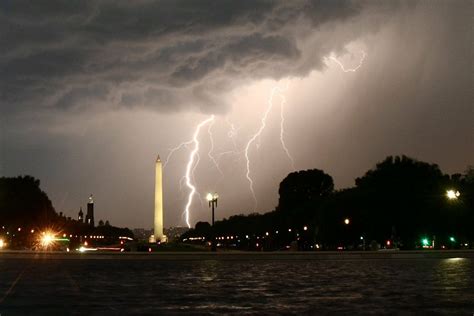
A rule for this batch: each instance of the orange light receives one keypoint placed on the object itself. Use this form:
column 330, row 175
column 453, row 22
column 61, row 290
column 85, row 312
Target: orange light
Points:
column 47, row 239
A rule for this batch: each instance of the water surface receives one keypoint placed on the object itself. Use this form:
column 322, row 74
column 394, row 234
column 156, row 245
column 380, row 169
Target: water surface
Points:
column 114, row 286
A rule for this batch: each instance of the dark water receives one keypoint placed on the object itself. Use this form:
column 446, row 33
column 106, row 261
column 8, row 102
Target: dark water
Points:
column 402, row 286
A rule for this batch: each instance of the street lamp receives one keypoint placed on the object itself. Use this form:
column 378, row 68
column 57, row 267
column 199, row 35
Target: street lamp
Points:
column 212, row 199
column 347, row 221
column 452, row 194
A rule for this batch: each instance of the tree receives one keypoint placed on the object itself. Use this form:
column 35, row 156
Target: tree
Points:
column 304, row 188
column 23, row 203
column 203, row 228
column 301, row 195
column 465, row 203
column 405, row 195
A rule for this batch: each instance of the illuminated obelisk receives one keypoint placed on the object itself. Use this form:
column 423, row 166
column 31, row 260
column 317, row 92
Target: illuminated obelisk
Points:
column 158, row 228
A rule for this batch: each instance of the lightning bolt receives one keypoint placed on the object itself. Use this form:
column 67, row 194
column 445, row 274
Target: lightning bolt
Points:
column 211, row 149
column 344, row 69
column 194, row 157
column 253, row 139
column 282, row 131
column 232, row 132
column 175, row 149
column 192, row 165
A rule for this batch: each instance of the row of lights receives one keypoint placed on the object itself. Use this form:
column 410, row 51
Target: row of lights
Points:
column 424, row 241
column 305, row 228
column 194, row 238
column 32, row 231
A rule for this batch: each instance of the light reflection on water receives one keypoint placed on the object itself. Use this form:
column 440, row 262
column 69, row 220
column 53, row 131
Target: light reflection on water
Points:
column 272, row 287
column 454, row 275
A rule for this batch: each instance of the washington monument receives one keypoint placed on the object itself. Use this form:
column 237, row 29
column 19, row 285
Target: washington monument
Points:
column 158, row 228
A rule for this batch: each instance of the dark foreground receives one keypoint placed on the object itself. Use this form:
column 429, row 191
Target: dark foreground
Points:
column 52, row 284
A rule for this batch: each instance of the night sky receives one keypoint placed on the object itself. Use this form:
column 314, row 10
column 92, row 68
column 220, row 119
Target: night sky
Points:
column 92, row 91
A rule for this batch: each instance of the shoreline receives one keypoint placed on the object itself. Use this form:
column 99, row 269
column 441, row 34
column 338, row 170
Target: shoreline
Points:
column 165, row 256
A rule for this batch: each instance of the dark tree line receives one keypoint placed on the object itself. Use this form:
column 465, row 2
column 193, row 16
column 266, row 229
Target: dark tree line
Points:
column 22, row 202
column 401, row 201
column 25, row 208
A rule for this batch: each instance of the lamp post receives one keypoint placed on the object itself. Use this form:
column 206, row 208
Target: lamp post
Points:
column 346, row 231
column 212, row 199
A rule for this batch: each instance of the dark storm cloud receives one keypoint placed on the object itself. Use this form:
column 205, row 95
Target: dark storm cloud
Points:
column 162, row 54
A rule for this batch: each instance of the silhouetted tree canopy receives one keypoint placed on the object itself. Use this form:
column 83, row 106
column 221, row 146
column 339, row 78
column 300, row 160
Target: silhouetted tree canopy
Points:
column 23, row 203
column 401, row 200
column 403, row 196
column 304, row 188
column 202, row 229
column 401, row 173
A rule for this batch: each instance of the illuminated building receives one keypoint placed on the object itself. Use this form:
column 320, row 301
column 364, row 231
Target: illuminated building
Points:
column 80, row 216
column 90, row 212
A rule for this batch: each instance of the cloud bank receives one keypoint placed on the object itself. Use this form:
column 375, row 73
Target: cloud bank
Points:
column 164, row 55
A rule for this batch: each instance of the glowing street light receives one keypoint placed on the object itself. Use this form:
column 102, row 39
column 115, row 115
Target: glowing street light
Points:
column 452, row 239
column 212, row 199
column 425, row 242
column 347, row 221
column 47, row 239
column 452, row 194
column 2, row 243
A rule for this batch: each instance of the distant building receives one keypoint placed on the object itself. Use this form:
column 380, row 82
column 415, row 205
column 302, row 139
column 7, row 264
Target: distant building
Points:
column 173, row 233
column 90, row 212
column 80, row 216
column 142, row 234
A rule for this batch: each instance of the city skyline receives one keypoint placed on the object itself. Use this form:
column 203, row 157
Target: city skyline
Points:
column 87, row 108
